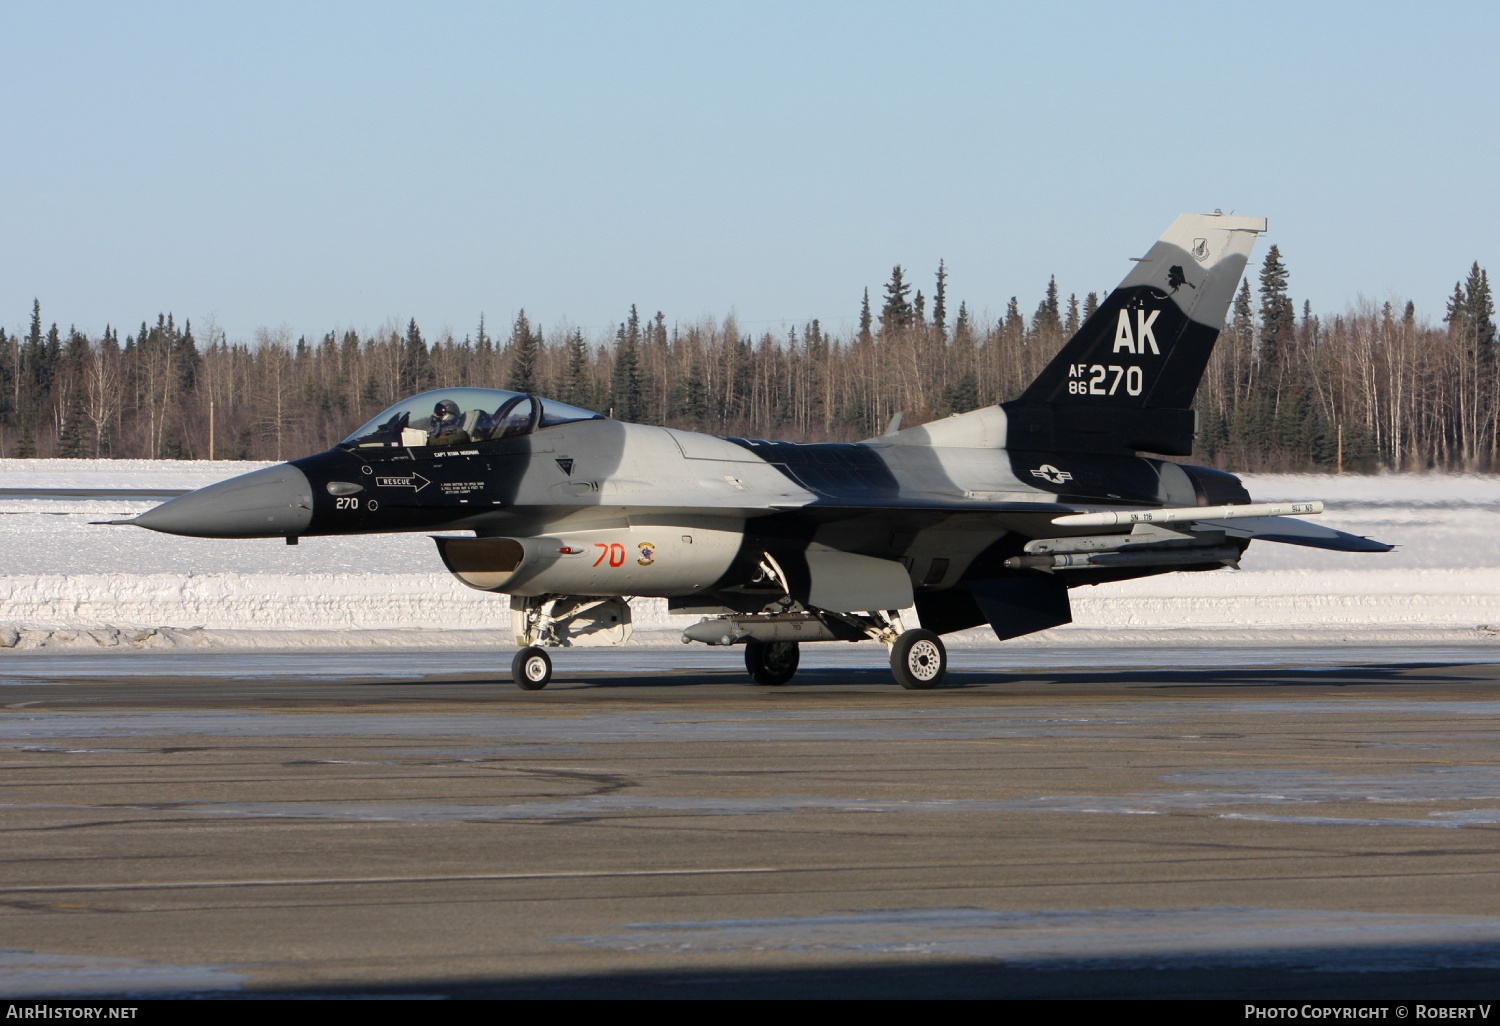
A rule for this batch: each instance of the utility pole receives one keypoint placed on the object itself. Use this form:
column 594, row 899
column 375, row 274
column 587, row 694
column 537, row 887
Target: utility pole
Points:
column 1341, row 448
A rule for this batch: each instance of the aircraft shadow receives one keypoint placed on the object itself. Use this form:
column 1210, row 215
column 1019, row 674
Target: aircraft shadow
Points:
column 1392, row 675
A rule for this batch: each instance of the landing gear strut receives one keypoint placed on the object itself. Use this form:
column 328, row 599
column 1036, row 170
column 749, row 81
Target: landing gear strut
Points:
column 918, row 660
column 771, row 662
column 531, row 669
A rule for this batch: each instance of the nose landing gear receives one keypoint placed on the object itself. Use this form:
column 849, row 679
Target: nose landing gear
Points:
column 531, row 669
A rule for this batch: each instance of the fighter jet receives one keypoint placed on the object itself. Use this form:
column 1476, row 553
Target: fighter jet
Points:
column 989, row 517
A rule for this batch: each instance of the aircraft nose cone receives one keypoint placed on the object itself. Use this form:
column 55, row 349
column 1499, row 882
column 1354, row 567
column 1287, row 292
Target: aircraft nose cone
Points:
column 265, row 503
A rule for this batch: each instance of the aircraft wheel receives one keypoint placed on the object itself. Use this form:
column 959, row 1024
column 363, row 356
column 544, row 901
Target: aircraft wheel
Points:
column 771, row 662
column 531, row 669
column 918, row 660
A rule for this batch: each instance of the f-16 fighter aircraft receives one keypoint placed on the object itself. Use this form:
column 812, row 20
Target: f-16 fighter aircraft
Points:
column 987, row 517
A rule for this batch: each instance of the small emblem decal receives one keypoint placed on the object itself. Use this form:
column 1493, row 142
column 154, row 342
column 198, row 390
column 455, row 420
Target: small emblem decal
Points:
column 1200, row 249
column 1047, row 472
column 648, row 553
column 566, row 466
column 1177, row 278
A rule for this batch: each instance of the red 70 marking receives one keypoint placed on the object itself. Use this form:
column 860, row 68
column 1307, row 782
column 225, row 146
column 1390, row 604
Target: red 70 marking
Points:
column 614, row 550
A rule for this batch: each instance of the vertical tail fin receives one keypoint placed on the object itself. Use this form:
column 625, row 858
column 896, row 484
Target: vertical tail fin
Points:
column 1126, row 380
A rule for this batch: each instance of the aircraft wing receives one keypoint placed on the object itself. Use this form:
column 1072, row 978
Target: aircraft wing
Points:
column 1265, row 521
column 1290, row 531
column 1255, row 521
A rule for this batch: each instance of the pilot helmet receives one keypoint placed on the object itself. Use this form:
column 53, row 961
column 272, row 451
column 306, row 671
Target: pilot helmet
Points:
column 445, row 409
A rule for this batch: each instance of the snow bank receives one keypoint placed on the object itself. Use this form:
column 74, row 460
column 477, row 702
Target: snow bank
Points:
column 67, row 585
column 120, row 473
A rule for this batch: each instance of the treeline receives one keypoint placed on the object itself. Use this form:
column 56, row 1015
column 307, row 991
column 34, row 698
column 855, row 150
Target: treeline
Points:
column 1286, row 390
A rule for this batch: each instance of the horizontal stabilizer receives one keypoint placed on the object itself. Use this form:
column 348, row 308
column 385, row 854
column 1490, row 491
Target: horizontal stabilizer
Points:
column 1188, row 514
column 1297, row 532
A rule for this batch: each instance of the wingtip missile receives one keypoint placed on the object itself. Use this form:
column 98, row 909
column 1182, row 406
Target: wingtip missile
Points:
column 1114, row 517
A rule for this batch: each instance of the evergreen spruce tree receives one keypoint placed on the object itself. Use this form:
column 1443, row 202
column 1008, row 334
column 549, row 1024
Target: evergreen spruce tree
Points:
column 32, row 353
column 483, row 344
column 1277, row 312
column 1047, row 321
column 71, row 441
column 940, row 302
column 1457, row 316
column 865, row 319
column 962, row 332
column 896, row 313
column 1070, row 326
column 1311, row 327
column 522, row 350
column 186, row 358
column 416, row 369
column 1479, row 308
column 1015, row 324
column 625, row 381
column 919, row 309
column 578, row 386
column 1090, row 305
column 348, row 351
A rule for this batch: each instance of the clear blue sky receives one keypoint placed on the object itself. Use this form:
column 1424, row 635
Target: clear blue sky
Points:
column 332, row 165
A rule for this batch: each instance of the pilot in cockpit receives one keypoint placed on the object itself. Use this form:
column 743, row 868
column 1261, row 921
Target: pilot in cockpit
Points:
column 445, row 421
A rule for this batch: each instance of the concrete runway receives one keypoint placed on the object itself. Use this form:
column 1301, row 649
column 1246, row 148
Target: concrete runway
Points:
column 1305, row 833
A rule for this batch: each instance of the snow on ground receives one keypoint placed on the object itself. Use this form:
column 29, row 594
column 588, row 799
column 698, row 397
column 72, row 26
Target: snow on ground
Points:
column 69, row 585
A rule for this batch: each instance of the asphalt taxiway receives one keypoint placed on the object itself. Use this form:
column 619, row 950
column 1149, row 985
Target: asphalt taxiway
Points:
column 651, row 825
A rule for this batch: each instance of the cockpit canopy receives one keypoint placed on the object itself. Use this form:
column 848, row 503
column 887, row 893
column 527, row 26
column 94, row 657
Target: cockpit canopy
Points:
column 461, row 416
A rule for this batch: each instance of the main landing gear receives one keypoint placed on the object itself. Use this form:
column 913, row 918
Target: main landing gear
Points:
column 918, row 660
column 772, row 662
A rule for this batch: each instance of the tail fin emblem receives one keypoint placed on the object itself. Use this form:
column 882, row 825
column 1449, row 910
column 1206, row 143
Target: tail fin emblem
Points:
column 1177, row 278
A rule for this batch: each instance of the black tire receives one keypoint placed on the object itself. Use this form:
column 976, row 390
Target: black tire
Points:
column 919, row 660
column 531, row 669
column 772, row 662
